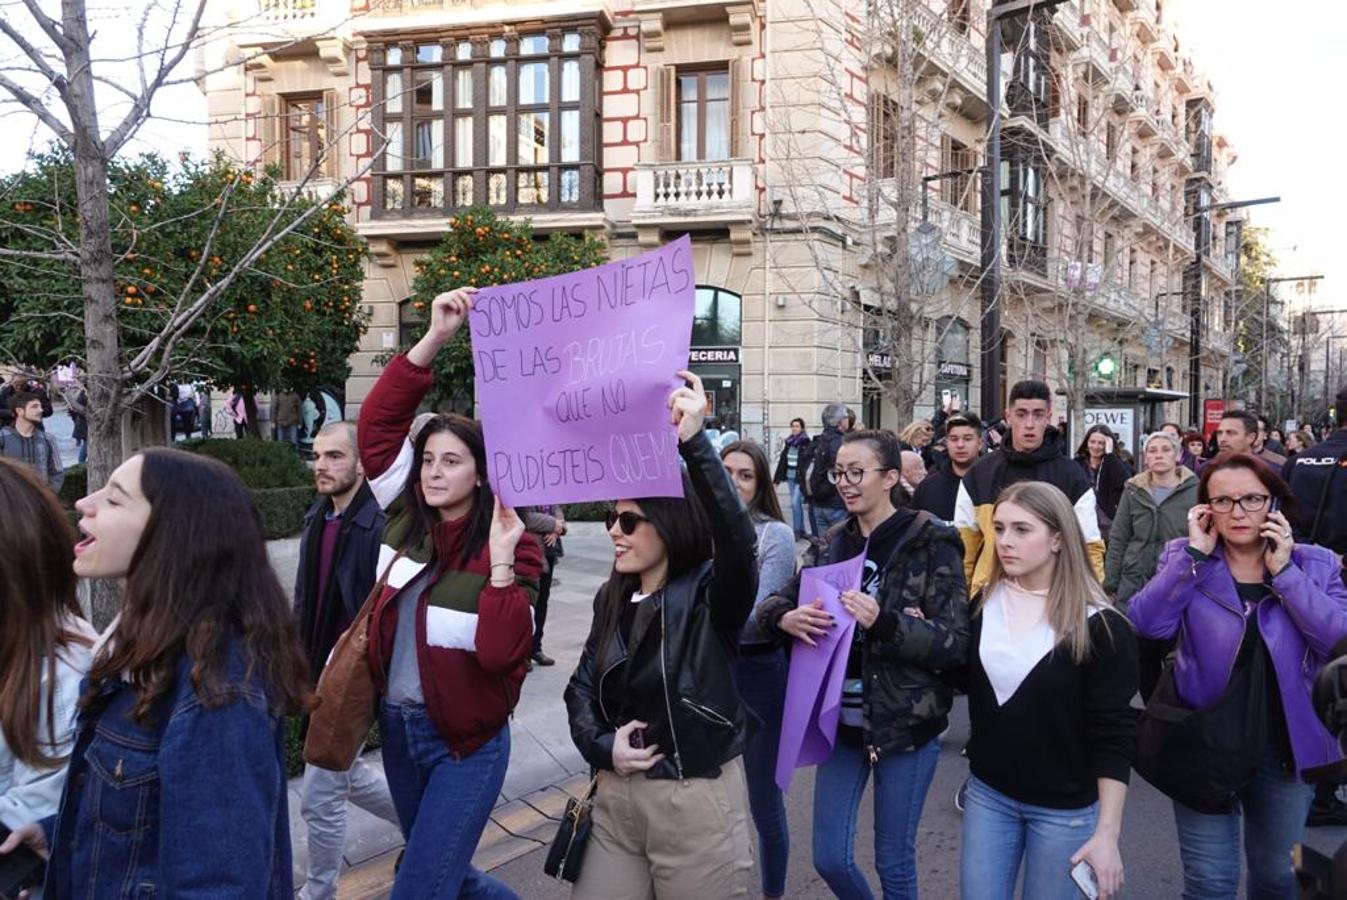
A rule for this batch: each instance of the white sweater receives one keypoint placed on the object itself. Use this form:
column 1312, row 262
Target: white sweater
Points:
column 29, row 794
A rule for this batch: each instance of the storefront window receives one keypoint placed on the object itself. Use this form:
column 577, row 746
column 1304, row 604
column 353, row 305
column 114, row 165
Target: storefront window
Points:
column 716, row 335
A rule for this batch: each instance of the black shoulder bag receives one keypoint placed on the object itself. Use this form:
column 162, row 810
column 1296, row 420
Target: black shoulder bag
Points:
column 568, row 847
column 1203, row 758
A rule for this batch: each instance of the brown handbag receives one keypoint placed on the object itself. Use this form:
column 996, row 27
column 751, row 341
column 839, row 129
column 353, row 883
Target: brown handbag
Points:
column 345, row 712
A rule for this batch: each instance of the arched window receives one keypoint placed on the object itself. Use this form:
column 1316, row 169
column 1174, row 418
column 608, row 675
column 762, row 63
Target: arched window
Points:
column 718, row 319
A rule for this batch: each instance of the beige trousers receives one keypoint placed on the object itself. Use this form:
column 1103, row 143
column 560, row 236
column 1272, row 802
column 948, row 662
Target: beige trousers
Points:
column 658, row 839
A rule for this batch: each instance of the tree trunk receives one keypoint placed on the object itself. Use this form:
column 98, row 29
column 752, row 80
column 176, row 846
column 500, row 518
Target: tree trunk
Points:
column 252, row 427
column 97, row 285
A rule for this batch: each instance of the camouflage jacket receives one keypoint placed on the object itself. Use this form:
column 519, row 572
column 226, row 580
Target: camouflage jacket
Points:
column 906, row 701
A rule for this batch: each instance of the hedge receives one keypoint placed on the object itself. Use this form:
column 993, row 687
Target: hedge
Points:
column 294, row 746
column 283, row 509
column 76, row 485
column 587, row 512
column 261, row 464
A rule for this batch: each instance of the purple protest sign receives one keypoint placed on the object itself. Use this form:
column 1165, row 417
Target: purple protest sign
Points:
column 573, row 373
column 814, row 682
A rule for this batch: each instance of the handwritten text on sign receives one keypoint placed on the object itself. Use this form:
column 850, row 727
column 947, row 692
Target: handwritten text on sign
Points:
column 572, row 377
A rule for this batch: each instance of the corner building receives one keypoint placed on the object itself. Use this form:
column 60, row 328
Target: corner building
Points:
column 750, row 126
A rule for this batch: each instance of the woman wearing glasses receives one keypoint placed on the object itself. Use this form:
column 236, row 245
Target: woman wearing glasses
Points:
column 652, row 702
column 911, row 614
column 1243, row 597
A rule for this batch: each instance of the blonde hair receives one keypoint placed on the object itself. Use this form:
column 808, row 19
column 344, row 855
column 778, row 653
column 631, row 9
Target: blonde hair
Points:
column 1074, row 590
column 908, row 433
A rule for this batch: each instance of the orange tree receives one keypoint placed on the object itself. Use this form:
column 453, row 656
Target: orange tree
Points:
column 480, row 249
column 288, row 317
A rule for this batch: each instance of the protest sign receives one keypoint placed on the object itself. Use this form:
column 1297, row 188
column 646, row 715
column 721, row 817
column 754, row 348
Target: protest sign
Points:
column 573, row 373
column 814, row 681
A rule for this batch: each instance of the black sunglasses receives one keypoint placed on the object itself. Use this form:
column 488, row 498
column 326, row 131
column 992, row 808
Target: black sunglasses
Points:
column 627, row 520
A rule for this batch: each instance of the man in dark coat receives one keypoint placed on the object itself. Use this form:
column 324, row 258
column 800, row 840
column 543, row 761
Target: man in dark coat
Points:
column 338, row 558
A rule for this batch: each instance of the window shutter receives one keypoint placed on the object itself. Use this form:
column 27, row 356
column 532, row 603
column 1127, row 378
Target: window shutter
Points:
column 331, row 148
column 666, row 85
column 269, row 131
column 735, row 142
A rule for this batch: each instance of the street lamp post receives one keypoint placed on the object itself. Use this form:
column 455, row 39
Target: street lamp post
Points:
column 991, row 206
column 1195, row 304
column 1267, row 304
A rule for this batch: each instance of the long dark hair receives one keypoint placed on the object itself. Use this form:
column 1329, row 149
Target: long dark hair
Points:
column 198, row 581
column 37, row 602
column 764, row 502
column 683, row 526
column 1083, row 451
column 469, row 431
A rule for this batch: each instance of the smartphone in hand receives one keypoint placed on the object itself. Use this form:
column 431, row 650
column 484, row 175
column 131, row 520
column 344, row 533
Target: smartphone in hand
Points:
column 1083, row 875
column 19, row 870
column 1273, row 505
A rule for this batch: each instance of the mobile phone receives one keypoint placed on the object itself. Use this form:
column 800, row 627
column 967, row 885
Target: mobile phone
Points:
column 637, row 739
column 1272, row 507
column 19, row 870
column 1083, row 875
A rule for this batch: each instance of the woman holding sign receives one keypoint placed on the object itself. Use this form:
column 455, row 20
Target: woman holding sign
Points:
column 653, row 705
column 911, row 614
column 452, row 627
column 1051, row 675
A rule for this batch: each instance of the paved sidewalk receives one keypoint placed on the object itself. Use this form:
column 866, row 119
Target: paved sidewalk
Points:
column 544, row 764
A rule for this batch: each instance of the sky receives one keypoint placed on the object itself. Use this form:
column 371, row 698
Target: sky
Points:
column 1278, row 70
column 1278, row 73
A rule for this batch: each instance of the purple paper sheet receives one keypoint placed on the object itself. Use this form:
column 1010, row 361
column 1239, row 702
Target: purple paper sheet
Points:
column 814, row 682
column 572, row 376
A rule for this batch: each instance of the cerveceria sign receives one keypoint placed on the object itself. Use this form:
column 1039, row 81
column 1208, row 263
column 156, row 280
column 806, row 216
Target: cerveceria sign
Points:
column 714, row 355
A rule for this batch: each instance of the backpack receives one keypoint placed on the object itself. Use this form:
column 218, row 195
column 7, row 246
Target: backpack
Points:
column 822, row 455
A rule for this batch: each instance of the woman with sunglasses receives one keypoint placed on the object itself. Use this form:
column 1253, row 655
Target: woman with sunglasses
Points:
column 652, row 704
column 911, row 615
column 1242, row 597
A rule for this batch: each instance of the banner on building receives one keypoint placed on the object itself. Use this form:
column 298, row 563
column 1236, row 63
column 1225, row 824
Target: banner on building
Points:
column 572, row 376
column 1212, row 413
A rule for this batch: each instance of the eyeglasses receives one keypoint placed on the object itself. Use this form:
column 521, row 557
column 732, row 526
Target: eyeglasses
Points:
column 1250, row 502
column 850, row 476
column 627, row 521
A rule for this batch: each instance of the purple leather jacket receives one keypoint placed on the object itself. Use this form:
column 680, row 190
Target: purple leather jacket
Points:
column 1300, row 621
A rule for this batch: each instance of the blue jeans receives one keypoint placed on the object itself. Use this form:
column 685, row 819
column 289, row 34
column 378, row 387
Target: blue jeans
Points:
column 443, row 804
column 1000, row 833
column 1275, row 804
column 826, row 517
column 797, row 510
column 901, row 782
column 761, row 679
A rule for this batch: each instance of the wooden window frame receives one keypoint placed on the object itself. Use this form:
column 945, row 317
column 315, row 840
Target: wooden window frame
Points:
column 478, row 63
column 725, row 68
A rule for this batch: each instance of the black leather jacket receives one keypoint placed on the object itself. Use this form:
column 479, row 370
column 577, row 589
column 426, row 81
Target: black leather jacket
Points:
column 676, row 674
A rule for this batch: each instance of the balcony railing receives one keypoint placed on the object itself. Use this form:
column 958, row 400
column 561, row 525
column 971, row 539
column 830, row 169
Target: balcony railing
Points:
column 317, row 190
column 712, row 190
column 936, row 39
column 288, row 10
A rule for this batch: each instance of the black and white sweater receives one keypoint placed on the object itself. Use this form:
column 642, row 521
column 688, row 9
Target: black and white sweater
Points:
column 1064, row 726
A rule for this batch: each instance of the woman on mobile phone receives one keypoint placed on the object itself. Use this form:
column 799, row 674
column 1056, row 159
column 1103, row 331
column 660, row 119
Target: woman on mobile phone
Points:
column 176, row 784
column 452, row 630
column 44, row 648
column 912, row 621
column 652, row 703
column 1050, row 677
column 1243, row 598
column 760, row 671
column 1098, row 457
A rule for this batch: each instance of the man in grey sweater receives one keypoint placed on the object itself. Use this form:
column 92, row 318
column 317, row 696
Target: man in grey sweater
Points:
column 26, row 442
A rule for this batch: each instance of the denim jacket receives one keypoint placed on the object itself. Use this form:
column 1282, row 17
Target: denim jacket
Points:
column 190, row 805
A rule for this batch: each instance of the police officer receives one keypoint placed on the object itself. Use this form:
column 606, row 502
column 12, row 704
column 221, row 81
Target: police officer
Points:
column 1319, row 484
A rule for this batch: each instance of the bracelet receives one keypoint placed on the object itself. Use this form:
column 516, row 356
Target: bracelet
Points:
column 502, row 565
